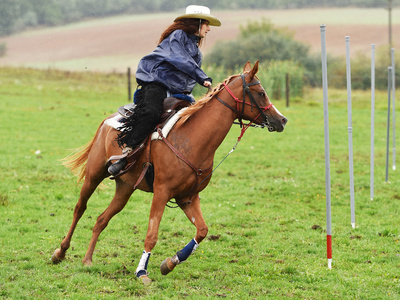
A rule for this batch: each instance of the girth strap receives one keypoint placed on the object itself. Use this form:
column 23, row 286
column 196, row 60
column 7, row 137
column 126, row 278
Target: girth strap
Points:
column 197, row 171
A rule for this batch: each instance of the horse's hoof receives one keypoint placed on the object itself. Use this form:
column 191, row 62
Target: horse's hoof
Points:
column 167, row 266
column 145, row 279
column 57, row 257
column 87, row 262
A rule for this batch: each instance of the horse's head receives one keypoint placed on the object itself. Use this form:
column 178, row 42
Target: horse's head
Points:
column 253, row 104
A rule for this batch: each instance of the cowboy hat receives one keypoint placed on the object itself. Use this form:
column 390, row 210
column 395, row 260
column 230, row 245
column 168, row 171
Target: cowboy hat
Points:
column 199, row 12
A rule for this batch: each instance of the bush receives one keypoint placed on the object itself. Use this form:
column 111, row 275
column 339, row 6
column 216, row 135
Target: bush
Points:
column 273, row 78
column 258, row 41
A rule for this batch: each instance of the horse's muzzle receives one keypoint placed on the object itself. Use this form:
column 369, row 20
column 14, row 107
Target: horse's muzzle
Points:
column 277, row 125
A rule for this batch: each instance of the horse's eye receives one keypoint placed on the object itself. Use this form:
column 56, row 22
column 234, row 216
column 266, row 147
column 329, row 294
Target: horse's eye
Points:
column 262, row 94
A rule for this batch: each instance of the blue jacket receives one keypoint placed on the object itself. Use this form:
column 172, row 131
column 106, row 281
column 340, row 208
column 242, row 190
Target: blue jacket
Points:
column 175, row 63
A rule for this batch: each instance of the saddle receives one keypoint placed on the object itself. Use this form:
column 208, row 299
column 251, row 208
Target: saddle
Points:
column 171, row 106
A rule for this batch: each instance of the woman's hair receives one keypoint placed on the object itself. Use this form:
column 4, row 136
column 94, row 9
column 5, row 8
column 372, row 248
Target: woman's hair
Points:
column 190, row 26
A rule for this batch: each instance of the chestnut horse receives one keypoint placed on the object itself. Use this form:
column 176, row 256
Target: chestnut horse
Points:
column 182, row 163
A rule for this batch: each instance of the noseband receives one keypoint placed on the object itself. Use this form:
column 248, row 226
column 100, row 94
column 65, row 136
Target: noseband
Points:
column 241, row 114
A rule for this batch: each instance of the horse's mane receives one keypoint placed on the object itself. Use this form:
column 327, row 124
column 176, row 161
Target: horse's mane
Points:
column 188, row 112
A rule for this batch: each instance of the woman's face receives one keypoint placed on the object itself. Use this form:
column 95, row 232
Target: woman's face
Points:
column 204, row 29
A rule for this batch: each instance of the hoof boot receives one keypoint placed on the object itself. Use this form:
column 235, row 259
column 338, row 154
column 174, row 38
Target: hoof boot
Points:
column 167, row 266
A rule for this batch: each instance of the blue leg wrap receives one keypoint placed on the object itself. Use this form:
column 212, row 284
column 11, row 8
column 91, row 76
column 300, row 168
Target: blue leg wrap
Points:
column 187, row 250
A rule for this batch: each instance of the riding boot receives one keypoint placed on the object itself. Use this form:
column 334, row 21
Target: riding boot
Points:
column 120, row 164
column 116, row 167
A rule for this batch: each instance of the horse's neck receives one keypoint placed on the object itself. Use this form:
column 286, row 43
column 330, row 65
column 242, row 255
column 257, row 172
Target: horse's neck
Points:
column 218, row 121
column 206, row 129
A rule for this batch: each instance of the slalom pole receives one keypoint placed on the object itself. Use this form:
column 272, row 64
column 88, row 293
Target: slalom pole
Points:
column 394, row 110
column 372, row 120
column 327, row 155
column 350, row 131
column 388, row 123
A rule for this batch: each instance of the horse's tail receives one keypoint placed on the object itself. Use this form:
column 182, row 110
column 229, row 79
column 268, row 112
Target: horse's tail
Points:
column 77, row 160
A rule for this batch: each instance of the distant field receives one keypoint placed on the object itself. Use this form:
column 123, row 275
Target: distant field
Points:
column 113, row 44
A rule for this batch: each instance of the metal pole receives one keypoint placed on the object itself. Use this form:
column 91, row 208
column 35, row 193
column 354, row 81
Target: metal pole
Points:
column 394, row 111
column 287, row 89
column 388, row 124
column 372, row 119
column 327, row 155
column 350, row 131
column 390, row 24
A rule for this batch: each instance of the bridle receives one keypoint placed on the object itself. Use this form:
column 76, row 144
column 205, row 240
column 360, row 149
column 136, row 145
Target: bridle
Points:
column 240, row 114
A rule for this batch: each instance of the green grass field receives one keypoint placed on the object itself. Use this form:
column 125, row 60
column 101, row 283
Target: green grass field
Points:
column 265, row 206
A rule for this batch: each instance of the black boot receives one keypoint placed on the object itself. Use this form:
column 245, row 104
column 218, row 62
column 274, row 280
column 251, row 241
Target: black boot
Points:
column 116, row 167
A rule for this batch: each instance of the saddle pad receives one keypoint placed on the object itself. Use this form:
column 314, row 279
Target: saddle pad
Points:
column 167, row 127
column 117, row 121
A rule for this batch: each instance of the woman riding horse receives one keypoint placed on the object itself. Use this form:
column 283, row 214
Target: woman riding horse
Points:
column 173, row 67
column 182, row 163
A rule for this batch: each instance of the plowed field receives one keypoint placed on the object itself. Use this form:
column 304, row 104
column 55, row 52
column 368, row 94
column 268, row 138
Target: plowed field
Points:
column 113, row 44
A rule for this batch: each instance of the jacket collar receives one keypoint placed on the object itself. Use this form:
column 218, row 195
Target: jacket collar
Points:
column 194, row 38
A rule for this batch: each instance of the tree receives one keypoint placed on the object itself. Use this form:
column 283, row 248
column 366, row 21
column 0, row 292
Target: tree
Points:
column 8, row 13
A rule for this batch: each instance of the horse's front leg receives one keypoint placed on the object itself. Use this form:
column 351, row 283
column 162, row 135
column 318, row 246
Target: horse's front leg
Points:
column 156, row 213
column 194, row 214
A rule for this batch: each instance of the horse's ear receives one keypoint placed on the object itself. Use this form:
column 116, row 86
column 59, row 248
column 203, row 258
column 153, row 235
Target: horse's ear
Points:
column 247, row 67
column 254, row 71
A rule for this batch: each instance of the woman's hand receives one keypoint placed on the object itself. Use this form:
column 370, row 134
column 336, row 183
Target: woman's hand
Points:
column 207, row 84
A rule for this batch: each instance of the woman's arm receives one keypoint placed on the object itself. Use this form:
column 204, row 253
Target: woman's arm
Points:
column 180, row 57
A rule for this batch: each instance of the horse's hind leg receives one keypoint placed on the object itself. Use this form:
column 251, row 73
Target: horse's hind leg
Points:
column 89, row 186
column 122, row 193
column 194, row 214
